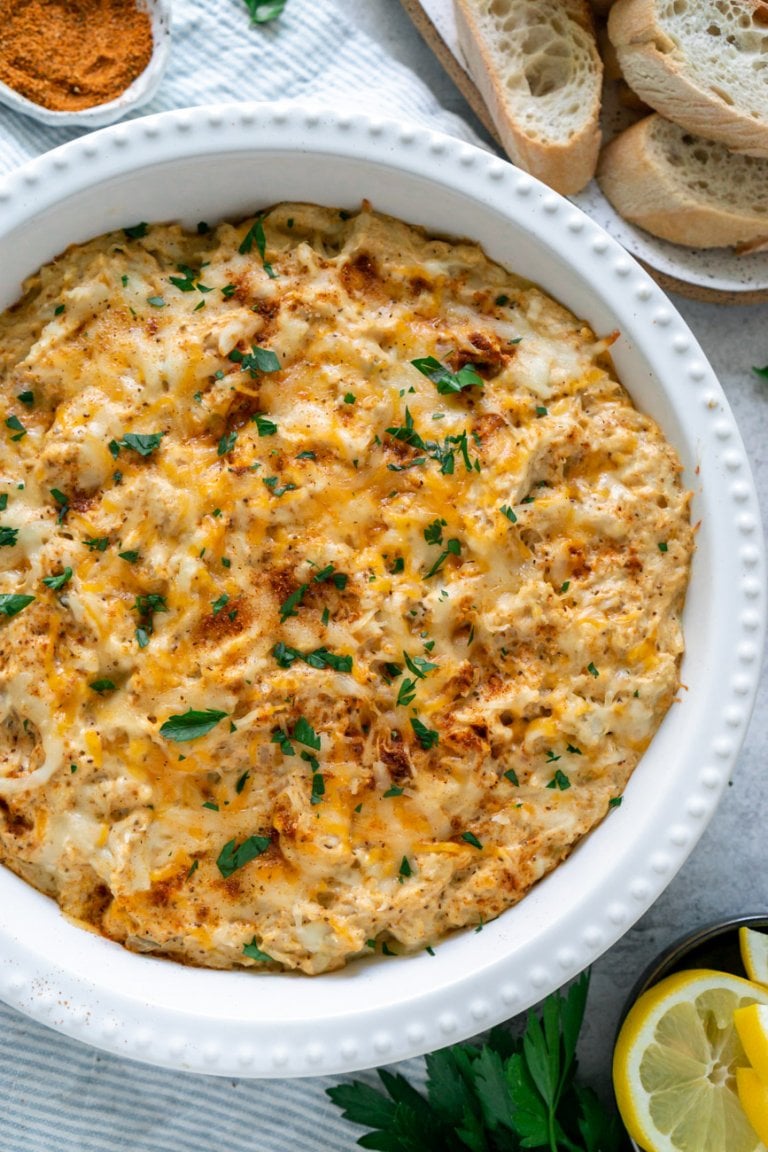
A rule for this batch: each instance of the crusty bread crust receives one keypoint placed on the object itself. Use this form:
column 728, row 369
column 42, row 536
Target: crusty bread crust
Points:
column 699, row 64
column 550, row 129
column 685, row 189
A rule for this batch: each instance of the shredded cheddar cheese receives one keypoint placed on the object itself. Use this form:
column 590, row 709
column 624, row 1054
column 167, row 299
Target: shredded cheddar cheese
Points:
column 368, row 620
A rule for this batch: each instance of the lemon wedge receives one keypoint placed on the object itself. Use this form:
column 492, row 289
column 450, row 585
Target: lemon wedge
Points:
column 675, row 1065
column 753, row 1094
column 752, row 1026
column 754, row 954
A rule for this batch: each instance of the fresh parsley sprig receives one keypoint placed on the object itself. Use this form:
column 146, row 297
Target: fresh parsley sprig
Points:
column 504, row 1095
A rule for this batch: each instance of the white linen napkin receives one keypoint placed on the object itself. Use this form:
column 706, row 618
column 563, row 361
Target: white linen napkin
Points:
column 56, row 1094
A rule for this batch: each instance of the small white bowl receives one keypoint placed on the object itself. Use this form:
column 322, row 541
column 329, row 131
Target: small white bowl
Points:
column 139, row 92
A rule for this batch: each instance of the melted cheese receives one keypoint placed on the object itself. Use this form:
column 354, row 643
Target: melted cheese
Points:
column 342, row 502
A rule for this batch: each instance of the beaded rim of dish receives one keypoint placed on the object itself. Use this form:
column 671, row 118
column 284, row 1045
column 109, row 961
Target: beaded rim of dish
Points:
column 166, row 1037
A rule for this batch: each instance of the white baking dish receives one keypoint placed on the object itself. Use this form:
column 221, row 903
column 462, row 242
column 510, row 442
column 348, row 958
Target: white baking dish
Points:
column 228, row 161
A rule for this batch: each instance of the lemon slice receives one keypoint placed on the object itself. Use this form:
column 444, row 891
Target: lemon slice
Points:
column 753, row 1094
column 675, row 1063
column 754, row 954
column 752, row 1026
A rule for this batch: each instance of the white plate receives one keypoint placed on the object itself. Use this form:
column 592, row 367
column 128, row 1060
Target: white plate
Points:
column 714, row 270
column 228, row 161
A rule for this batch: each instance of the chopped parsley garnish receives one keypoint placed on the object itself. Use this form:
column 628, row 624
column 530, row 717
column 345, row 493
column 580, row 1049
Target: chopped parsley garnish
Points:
column 144, row 443
column 325, row 616
column 615, row 802
column 234, row 856
column 256, row 953
column 209, row 804
column 193, row 868
column 142, row 637
column 306, row 455
column 565, row 586
column 227, row 443
column 318, row 658
column 241, row 782
column 407, row 693
column 662, row 546
column 146, row 605
column 281, row 738
column 318, row 788
column 574, row 751
column 267, row 427
column 418, row 665
column 500, row 301
column 96, row 543
column 540, row 411
column 405, row 869
column 3, row 501
column 191, row 725
column 350, row 398
column 62, row 501
column 511, row 775
column 136, row 231
column 392, row 671
column 433, row 534
column 256, row 233
column 56, row 582
column 406, row 432
column 289, row 606
column 551, row 758
column 156, row 301
column 471, row 839
column 11, row 603
column 218, row 604
column 559, row 780
column 398, row 565
column 187, row 282
column 452, row 548
column 444, row 380
column 258, row 360
column 427, row 737
column 304, row 733
column 102, row 685
column 271, row 482
column 8, row 536
column 393, row 791
column 508, row 512
column 338, row 578
column 761, row 372
column 16, row 426
column 130, row 556
column 592, row 670
column 26, row 398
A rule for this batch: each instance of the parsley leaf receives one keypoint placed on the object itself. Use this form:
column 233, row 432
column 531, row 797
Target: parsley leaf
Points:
column 444, row 380
column 559, row 780
column 136, row 231
column 16, row 426
column 263, row 11
column 255, row 952
column 761, row 372
column 267, row 427
column 258, row 360
column 8, row 537
column 418, row 665
column 471, row 839
column 427, row 737
column 271, row 482
column 289, row 606
column 102, row 685
column 234, row 856
column 227, row 443
column 453, row 548
column 191, row 725
column 406, row 432
column 142, row 442
column 407, row 693
column 305, row 734
column 11, row 603
column 59, row 581
column 318, row 658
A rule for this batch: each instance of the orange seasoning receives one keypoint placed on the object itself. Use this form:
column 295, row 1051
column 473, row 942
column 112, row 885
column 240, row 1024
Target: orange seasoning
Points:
column 72, row 54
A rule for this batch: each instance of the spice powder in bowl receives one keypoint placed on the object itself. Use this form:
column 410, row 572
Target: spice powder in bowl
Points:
column 68, row 55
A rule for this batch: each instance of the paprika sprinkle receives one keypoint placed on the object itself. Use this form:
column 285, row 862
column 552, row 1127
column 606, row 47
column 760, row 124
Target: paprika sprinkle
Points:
column 73, row 54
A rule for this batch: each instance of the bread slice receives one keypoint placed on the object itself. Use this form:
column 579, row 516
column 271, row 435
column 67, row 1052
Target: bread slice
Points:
column 701, row 63
column 684, row 188
column 538, row 69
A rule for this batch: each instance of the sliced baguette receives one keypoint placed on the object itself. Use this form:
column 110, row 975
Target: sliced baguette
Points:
column 538, row 69
column 684, row 188
column 701, row 63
